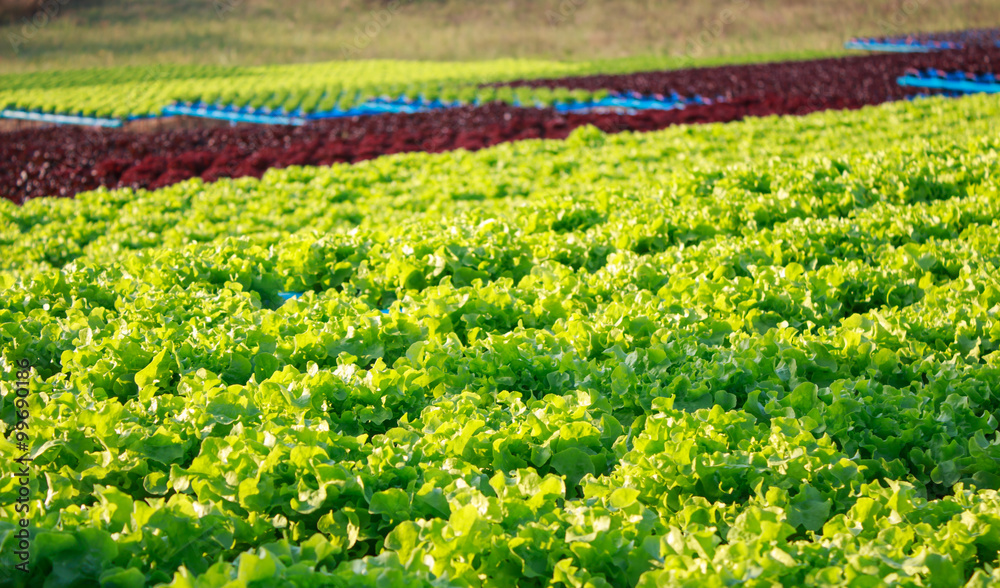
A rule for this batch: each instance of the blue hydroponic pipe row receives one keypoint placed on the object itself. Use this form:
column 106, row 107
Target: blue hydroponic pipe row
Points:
column 951, row 76
column 629, row 103
column 902, row 45
column 975, row 85
column 60, row 119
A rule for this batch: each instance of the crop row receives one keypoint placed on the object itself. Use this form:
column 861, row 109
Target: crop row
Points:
column 328, row 87
column 853, row 81
column 65, row 162
column 968, row 37
column 134, row 91
column 324, row 196
column 125, row 92
column 761, row 353
column 341, row 86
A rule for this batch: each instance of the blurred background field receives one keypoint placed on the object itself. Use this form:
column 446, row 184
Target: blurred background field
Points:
column 86, row 33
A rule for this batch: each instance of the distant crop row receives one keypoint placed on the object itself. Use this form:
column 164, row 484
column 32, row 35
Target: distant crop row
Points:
column 970, row 37
column 753, row 354
column 137, row 92
column 340, row 86
column 63, row 162
column 134, row 91
column 853, row 81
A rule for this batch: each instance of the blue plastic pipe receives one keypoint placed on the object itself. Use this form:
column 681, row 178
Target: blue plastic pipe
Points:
column 60, row 119
column 890, row 47
column 630, row 103
column 945, row 84
column 230, row 115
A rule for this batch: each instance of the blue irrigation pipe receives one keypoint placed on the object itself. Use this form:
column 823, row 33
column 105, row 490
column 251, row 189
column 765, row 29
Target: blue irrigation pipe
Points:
column 889, row 47
column 945, row 84
column 616, row 103
column 400, row 105
column 61, row 119
column 903, row 46
column 634, row 104
column 630, row 103
column 231, row 115
column 369, row 108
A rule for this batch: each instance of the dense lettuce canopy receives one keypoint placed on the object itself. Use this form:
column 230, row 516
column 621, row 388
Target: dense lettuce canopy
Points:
column 754, row 354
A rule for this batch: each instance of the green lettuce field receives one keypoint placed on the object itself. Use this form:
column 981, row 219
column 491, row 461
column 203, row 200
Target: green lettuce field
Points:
column 755, row 354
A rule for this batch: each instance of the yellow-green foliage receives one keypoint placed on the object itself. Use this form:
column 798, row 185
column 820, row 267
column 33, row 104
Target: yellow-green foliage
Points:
column 755, row 354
